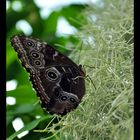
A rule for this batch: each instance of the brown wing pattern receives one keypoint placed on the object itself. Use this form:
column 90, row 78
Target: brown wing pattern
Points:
column 58, row 81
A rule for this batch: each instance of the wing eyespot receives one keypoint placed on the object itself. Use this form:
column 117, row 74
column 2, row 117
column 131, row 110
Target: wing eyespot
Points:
column 35, row 55
column 29, row 43
column 37, row 63
column 52, row 74
column 64, row 98
column 72, row 100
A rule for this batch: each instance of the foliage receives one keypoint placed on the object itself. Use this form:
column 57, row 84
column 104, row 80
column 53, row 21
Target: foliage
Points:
column 104, row 45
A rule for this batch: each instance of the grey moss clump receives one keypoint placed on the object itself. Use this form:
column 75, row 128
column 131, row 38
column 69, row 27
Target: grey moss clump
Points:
column 105, row 113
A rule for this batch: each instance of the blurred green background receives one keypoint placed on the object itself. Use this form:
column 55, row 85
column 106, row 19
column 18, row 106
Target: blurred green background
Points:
column 95, row 33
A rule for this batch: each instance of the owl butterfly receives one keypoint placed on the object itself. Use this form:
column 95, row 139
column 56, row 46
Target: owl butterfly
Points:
column 58, row 81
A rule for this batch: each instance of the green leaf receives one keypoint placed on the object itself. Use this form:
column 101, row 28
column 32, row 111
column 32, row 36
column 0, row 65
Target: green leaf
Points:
column 23, row 94
column 25, row 108
column 28, row 127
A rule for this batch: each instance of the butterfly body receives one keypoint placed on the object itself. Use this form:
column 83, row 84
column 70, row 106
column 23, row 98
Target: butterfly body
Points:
column 58, row 81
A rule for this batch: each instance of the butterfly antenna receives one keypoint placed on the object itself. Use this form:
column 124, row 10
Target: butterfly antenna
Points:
column 87, row 76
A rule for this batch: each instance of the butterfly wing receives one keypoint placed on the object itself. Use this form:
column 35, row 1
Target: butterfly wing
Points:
column 58, row 81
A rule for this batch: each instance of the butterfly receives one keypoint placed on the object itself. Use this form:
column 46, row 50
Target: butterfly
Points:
column 57, row 80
